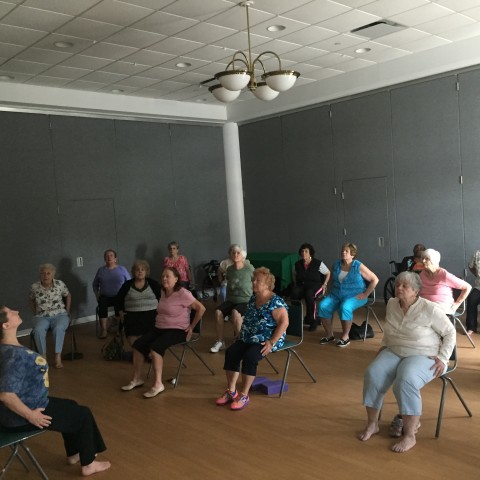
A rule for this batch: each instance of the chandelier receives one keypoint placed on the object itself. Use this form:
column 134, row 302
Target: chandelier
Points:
column 240, row 73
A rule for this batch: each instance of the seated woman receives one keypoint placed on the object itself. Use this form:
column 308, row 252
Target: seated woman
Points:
column 25, row 404
column 106, row 284
column 414, row 263
column 172, row 326
column 180, row 263
column 311, row 277
column 137, row 302
column 438, row 283
column 50, row 302
column 417, row 343
column 350, row 291
column 263, row 331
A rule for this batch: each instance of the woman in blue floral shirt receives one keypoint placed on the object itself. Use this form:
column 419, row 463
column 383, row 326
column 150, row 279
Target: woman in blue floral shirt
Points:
column 263, row 331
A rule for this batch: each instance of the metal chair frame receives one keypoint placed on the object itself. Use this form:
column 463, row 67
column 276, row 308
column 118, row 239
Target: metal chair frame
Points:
column 369, row 308
column 295, row 332
column 456, row 321
column 15, row 440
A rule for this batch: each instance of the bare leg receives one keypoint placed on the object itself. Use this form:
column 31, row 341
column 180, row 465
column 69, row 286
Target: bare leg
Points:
column 410, row 427
column 237, row 321
column 58, row 360
column 73, row 459
column 328, row 326
column 247, row 381
column 103, row 328
column 157, row 363
column 219, row 321
column 346, row 326
column 138, row 361
column 95, row 467
column 372, row 424
column 232, row 378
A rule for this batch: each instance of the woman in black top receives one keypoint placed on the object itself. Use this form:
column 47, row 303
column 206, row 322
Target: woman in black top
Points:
column 311, row 277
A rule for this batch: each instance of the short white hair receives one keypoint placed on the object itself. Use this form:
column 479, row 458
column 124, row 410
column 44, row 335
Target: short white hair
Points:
column 433, row 255
column 47, row 266
column 237, row 248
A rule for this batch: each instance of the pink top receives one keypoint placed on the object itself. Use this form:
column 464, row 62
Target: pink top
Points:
column 181, row 264
column 174, row 311
column 439, row 288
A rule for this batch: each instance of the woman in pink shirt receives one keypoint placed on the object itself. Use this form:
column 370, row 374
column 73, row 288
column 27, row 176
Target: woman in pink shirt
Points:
column 172, row 326
column 437, row 283
column 179, row 262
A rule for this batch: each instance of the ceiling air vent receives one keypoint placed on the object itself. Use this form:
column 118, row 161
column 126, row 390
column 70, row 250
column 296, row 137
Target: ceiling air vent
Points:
column 378, row 29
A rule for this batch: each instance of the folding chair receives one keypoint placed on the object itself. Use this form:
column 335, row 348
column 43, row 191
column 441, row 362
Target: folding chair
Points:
column 446, row 379
column 15, row 440
column 369, row 308
column 186, row 346
column 294, row 339
column 455, row 317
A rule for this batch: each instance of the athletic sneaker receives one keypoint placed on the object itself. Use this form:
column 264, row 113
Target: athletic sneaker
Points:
column 325, row 340
column 343, row 343
column 217, row 346
column 227, row 397
column 242, row 402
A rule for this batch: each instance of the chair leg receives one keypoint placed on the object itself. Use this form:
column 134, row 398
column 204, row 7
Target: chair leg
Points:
column 201, row 359
column 457, row 320
column 304, row 366
column 34, row 461
column 440, row 409
column 181, row 360
column 459, row 395
column 287, row 365
column 377, row 320
column 271, row 364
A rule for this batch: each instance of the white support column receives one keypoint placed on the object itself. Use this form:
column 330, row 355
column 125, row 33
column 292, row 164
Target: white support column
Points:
column 233, row 173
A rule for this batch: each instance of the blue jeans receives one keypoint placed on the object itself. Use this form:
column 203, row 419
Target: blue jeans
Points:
column 407, row 375
column 57, row 323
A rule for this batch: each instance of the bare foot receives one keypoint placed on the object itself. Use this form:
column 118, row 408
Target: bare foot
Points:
column 405, row 444
column 73, row 459
column 58, row 360
column 371, row 429
column 95, row 467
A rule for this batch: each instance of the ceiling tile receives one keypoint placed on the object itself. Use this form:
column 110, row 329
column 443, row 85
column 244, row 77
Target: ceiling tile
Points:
column 462, row 33
column 182, row 95
column 400, row 38
column 317, row 11
column 164, row 23
column 149, row 57
column 445, row 24
column 8, row 50
column 84, row 61
column 279, row 6
column 387, row 54
column 239, row 41
column 458, row 5
column 205, row 33
column 135, row 38
column 354, row 64
column 35, row 19
column 473, row 13
column 199, row 10
column 278, row 46
column 125, row 68
column 69, row 7
column 175, row 46
column 66, row 72
column 17, row 77
column 19, row 36
column 170, row 86
column 173, row 62
column 330, row 59
column 118, row 13
column 290, row 27
column 78, row 44
column 5, row 8
column 21, row 66
column 89, row 29
column 137, row 82
column 160, row 73
column 48, row 81
column 211, row 69
column 211, row 53
column 388, row 8
column 420, row 15
column 348, row 21
column 425, row 43
column 43, row 56
column 154, row 4
column 236, row 18
column 356, row 3
column 373, row 46
column 324, row 73
column 338, row 42
column 103, row 77
column 109, row 50
column 309, row 35
column 82, row 85
column 304, row 54
column 193, row 78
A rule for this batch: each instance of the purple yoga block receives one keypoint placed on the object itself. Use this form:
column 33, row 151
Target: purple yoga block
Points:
column 257, row 383
column 272, row 387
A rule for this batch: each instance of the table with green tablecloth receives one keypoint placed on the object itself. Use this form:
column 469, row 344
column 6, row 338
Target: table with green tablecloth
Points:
column 281, row 264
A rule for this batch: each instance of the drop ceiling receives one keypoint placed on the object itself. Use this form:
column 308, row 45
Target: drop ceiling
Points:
column 129, row 51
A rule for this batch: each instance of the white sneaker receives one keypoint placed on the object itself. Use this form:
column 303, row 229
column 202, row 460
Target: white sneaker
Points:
column 226, row 318
column 217, row 346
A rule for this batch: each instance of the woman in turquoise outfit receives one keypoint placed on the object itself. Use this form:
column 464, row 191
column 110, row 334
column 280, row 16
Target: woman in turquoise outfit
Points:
column 353, row 282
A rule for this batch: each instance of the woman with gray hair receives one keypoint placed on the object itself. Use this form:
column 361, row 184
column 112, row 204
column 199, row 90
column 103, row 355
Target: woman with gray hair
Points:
column 437, row 283
column 417, row 344
column 50, row 302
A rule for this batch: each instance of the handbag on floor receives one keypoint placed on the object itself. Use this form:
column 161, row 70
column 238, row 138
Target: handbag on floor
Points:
column 113, row 348
column 357, row 331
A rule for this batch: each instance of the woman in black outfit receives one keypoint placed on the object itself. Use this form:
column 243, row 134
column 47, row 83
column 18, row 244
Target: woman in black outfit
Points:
column 311, row 277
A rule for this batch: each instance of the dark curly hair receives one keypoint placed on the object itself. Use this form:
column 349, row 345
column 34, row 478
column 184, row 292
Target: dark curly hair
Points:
column 304, row 246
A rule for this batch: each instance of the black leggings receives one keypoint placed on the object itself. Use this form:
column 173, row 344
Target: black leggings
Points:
column 78, row 428
column 307, row 292
column 249, row 354
column 473, row 300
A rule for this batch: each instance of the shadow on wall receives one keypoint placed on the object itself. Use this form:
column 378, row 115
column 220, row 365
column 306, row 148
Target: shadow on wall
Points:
column 155, row 260
column 77, row 288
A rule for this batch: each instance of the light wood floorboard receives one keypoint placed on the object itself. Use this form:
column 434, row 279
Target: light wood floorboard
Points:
column 310, row 433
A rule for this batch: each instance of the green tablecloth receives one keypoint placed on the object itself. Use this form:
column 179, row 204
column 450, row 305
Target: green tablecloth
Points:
column 280, row 264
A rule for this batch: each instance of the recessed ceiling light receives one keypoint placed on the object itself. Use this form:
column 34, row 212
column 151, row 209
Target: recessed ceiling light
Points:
column 6, row 77
column 363, row 50
column 183, row 65
column 117, row 90
column 276, row 28
column 63, row 44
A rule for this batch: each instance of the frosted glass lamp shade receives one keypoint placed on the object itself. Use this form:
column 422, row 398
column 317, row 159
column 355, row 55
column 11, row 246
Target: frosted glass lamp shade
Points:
column 264, row 92
column 281, row 80
column 222, row 94
column 233, row 79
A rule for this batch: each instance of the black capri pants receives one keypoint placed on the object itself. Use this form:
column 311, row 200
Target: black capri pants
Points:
column 105, row 302
column 158, row 340
column 248, row 354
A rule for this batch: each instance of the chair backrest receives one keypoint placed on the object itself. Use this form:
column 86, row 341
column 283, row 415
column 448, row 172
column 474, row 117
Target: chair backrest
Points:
column 295, row 320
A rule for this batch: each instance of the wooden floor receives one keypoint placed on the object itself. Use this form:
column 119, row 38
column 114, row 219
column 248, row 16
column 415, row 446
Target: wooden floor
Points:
column 310, row 433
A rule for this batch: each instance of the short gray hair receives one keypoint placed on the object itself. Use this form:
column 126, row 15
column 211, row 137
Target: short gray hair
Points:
column 412, row 278
column 237, row 248
column 433, row 255
column 47, row 266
